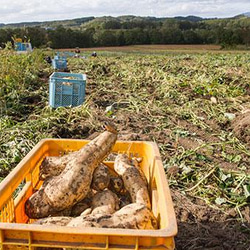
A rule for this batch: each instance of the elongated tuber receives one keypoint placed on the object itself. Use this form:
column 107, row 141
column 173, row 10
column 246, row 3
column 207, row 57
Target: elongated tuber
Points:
column 132, row 216
column 54, row 165
column 133, row 179
column 74, row 182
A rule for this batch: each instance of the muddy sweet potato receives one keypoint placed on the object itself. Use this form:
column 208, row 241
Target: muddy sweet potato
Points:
column 56, row 221
column 132, row 216
column 105, row 202
column 101, row 178
column 73, row 184
column 54, row 165
column 116, row 184
column 134, row 180
column 35, row 207
column 82, row 205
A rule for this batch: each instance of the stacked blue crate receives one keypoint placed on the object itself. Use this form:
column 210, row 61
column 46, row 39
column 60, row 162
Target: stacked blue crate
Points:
column 59, row 62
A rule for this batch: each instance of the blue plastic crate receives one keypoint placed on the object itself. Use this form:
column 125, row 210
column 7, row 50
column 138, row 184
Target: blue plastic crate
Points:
column 59, row 63
column 66, row 89
column 65, row 54
column 23, row 47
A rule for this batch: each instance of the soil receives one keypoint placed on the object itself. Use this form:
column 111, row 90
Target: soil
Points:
column 203, row 227
column 241, row 127
column 152, row 47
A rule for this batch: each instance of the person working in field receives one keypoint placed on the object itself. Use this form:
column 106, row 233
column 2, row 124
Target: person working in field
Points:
column 94, row 54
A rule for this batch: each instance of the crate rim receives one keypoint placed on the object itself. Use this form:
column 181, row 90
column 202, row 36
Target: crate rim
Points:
column 80, row 75
column 170, row 231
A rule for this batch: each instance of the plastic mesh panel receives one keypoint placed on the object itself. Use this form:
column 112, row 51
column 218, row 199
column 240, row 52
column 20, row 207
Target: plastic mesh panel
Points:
column 58, row 87
column 66, row 100
column 58, row 99
column 75, row 100
column 76, row 89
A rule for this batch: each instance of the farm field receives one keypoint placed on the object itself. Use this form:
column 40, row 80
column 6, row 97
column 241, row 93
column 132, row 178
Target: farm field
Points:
column 153, row 47
column 195, row 106
column 162, row 49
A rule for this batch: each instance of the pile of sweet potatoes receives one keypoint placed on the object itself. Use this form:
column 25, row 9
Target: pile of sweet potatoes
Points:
column 80, row 191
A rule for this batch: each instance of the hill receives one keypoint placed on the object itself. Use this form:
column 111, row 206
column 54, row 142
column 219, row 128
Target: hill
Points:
column 78, row 22
column 130, row 30
column 247, row 14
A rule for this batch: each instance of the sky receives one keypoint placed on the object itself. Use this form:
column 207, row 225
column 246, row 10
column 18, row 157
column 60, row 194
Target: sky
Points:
column 14, row 11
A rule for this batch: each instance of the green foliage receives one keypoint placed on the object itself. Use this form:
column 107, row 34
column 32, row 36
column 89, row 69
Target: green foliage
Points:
column 127, row 30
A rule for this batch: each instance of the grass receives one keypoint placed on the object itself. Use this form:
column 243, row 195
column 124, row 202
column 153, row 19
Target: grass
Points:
column 177, row 100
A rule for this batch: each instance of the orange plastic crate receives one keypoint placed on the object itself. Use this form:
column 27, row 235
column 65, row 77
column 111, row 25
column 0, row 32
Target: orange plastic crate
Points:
column 16, row 232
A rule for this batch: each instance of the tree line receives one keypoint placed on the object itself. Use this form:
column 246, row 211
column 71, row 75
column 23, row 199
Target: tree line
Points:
column 113, row 32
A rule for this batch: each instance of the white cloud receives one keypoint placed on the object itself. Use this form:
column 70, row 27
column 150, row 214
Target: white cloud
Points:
column 42, row 10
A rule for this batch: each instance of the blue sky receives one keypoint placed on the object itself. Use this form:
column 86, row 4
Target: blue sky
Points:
column 46, row 10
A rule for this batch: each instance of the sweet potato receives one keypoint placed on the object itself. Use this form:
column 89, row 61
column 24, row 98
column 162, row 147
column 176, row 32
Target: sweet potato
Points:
column 133, row 179
column 132, row 216
column 54, row 165
column 82, row 205
column 36, row 206
column 58, row 221
column 105, row 202
column 73, row 184
column 116, row 184
column 101, row 178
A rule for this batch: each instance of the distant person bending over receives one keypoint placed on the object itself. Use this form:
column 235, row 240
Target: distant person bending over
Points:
column 94, row 54
column 48, row 59
column 77, row 50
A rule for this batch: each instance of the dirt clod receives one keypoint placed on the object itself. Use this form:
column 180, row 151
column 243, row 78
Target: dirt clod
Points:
column 241, row 127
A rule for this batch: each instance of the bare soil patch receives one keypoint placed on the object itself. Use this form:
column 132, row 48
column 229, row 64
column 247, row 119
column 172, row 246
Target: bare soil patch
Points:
column 241, row 127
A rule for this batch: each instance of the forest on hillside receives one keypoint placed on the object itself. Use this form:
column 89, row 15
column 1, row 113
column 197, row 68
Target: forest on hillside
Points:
column 130, row 30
